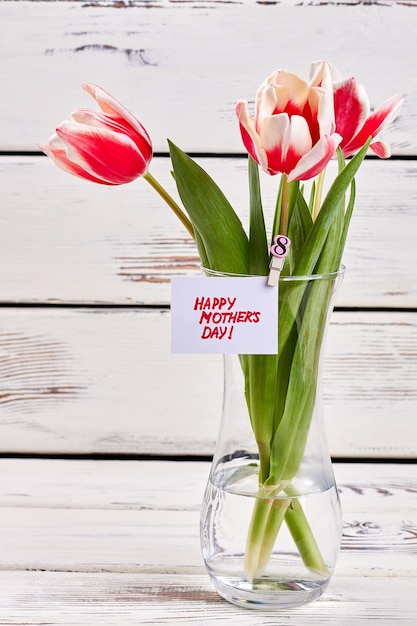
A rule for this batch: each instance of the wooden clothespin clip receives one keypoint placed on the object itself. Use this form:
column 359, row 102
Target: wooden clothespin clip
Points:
column 279, row 251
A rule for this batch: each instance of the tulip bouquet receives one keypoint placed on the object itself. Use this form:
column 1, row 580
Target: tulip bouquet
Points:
column 297, row 128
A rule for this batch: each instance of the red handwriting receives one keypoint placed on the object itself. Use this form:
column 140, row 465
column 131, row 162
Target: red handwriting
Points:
column 218, row 318
column 230, row 317
column 213, row 303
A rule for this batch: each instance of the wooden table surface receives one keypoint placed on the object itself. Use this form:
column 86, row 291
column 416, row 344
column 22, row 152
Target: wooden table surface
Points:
column 117, row 542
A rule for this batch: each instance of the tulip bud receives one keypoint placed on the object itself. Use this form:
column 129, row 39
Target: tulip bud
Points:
column 110, row 146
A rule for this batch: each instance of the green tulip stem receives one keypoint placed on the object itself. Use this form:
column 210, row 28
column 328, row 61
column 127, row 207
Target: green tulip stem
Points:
column 285, row 206
column 304, row 538
column 318, row 194
column 267, row 517
column 170, row 202
column 272, row 507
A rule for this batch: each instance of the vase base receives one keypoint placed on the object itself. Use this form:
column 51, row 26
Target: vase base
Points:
column 268, row 595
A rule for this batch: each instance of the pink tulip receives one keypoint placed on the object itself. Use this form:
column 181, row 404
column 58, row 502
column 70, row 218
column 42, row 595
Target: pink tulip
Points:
column 293, row 128
column 355, row 123
column 109, row 146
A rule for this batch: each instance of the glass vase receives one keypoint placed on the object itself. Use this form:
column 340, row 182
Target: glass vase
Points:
column 271, row 519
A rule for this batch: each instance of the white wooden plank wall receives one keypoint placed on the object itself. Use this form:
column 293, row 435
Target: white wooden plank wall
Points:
column 85, row 365
column 181, row 66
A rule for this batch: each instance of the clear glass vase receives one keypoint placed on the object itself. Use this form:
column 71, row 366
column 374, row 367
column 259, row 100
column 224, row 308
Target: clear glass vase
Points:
column 271, row 519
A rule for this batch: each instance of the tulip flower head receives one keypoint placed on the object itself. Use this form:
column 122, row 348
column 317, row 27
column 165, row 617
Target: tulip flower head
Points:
column 109, row 146
column 293, row 128
column 355, row 123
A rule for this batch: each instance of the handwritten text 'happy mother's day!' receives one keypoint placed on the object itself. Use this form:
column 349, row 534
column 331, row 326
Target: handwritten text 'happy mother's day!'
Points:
column 219, row 316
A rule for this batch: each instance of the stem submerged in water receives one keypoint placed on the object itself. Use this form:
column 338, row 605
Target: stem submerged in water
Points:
column 267, row 517
column 304, row 538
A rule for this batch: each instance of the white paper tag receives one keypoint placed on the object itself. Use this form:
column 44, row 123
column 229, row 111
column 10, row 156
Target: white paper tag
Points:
column 222, row 315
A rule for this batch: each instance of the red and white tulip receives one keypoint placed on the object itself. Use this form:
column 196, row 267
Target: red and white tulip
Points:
column 354, row 121
column 108, row 146
column 293, row 130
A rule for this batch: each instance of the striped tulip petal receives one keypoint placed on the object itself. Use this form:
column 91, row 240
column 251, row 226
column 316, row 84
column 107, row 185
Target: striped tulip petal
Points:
column 351, row 106
column 59, row 156
column 111, row 157
column 113, row 108
column 316, row 159
column 373, row 125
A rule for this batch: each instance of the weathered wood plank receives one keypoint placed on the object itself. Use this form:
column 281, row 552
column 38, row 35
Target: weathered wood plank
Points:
column 80, row 381
column 65, row 599
column 66, row 240
column 110, row 540
column 201, row 57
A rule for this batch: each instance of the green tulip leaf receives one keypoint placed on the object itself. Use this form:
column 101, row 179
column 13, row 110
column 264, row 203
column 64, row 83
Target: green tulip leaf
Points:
column 299, row 226
column 258, row 244
column 220, row 231
column 316, row 239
